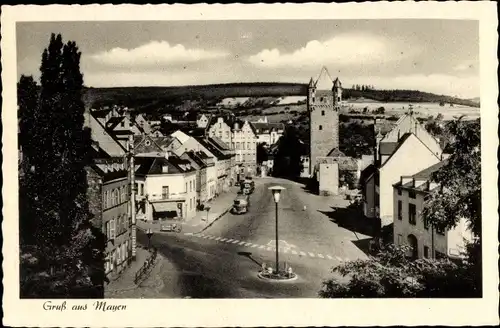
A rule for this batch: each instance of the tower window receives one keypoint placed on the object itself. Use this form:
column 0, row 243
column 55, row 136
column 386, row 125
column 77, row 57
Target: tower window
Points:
column 321, row 99
column 313, row 99
column 338, row 99
column 322, row 113
column 321, row 127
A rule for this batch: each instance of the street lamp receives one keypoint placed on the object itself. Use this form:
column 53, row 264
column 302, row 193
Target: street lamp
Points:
column 149, row 233
column 276, row 190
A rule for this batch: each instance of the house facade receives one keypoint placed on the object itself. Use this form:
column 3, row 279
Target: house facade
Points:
column 410, row 227
column 168, row 188
column 410, row 156
column 197, row 162
column 268, row 133
column 202, row 120
column 109, row 202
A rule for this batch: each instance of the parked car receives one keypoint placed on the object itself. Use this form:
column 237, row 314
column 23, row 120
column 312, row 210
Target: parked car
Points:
column 241, row 204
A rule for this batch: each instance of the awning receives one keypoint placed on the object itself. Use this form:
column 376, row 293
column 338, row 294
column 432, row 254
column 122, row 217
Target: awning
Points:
column 164, row 207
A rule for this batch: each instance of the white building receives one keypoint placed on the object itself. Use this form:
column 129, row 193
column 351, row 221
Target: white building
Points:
column 268, row 133
column 166, row 188
column 411, row 229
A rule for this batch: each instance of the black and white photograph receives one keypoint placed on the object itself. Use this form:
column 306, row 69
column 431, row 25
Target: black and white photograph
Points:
column 252, row 157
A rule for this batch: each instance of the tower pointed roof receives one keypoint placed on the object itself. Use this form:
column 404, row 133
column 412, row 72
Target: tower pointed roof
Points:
column 337, row 83
column 311, row 82
column 324, row 81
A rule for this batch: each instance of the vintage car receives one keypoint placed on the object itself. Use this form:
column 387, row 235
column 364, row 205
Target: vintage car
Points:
column 241, row 204
column 248, row 186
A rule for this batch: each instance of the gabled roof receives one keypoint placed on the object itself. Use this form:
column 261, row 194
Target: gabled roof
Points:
column 218, row 143
column 195, row 158
column 427, row 173
column 102, row 139
column 154, row 165
column 181, row 136
column 262, row 127
column 324, row 80
column 114, row 121
column 335, row 152
column 402, row 141
column 211, row 148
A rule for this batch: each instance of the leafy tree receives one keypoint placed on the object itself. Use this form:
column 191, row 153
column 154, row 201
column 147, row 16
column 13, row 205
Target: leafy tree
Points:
column 262, row 153
column 348, row 178
column 287, row 161
column 356, row 139
column 62, row 255
column 391, row 274
column 459, row 195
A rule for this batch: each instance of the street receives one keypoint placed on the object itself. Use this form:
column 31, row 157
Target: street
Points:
column 223, row 260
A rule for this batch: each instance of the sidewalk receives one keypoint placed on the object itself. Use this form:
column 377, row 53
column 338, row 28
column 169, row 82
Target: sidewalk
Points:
column 150, row 287
column 201, row 221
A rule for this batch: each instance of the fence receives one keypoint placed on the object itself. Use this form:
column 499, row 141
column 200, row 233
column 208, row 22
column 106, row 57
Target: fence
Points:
column 145, row 267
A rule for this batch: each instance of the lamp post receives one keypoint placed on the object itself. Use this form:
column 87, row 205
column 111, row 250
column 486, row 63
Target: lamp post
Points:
column 149, row 233
column 276, row 190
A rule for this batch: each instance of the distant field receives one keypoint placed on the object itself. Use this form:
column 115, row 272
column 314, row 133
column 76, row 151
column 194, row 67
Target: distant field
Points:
column 271, row 118
column 290, row 100
column 277, row 109
column 421, row 109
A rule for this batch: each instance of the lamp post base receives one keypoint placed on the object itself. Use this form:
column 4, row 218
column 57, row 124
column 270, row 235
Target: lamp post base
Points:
column 280, row 276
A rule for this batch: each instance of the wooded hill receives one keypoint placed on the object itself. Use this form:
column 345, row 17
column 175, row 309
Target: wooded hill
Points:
column 209, row 95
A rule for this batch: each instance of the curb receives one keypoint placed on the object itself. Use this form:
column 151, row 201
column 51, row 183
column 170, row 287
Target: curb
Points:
column 217, row 218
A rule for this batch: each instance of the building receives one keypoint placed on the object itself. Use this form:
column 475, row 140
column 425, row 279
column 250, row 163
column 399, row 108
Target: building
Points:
column 144, row 144
column 239, row 136
column 197, row 161
column 202, row 120
column 408, row 157
column 108, row 195
column 268, row 133
column 122, row 127
column 323, row 103
column 109, row 202
column 411, row 229
column 166, row 188
column 224, row 164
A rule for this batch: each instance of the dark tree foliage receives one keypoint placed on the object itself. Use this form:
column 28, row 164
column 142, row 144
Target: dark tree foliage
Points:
column 356, row 139
column 262, row 153
column 61, row 253
column 287, row 161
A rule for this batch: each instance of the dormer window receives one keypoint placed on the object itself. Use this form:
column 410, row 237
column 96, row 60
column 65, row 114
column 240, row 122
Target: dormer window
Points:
column 164, row 169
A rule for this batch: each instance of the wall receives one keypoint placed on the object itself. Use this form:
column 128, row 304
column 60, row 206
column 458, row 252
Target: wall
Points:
column 328, row 179
column 369, row 199
column 403, row 228
column 179, row 189
column 322, row 114
column 119, row 249
column 411, row 158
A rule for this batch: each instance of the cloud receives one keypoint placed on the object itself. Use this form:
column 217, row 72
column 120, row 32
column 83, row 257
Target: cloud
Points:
column 155, row 53
column 464, row 66
column 343, row 49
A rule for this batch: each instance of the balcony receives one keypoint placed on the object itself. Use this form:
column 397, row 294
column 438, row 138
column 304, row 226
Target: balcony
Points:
column 180, row 196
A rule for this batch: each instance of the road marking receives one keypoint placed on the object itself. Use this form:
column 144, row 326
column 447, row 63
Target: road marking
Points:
column 242, row 243
column 321, row 255
column 294, row 252
column 338, row 258
column 223, row 239
column 303, row 254
column 235, row 241
column 254, row 245
column 262, row 246
column 269, row 249
column 248, row 244
column 188, row 233
column 311, row 255
column 218, row 238
column 331, row 258
column 229, row 240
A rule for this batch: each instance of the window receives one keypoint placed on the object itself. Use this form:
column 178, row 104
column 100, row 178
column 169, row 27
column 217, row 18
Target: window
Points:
column 338, row 99
column 227, row 134
column 426, row 252
column 322, row 113
column 412, row 214
column 399, row 191
column 190, row 186
column 164, row 192
column 106, row 265
column 118, row 255
column 411, row 194
column 321, row 99
column 321, row 127
column 400, row 210
column 248, row 145
column 243, row 145
column 237, row 145
column 426, row 224
column 400, row 239
column 112, row 229
column 186, row 190
column 106, row 229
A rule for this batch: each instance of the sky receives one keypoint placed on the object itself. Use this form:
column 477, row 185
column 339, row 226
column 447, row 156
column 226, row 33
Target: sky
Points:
column 439, row 56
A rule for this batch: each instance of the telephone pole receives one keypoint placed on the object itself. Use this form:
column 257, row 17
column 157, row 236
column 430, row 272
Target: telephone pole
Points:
column 130, row 149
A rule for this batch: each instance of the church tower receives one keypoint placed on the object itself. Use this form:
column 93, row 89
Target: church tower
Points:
column 323, row 102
